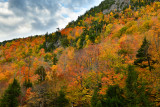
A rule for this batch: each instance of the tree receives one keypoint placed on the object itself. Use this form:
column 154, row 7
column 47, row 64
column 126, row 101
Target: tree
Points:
column 9, row 99
column 27, row 83
column 136, row 93
column 41, row 72
column 94, row 97
column 61, row 100
column 114, row 97
column 143, row 55
column 131, row 86
column 55, row 59
column 99, row 104
column 96, row 100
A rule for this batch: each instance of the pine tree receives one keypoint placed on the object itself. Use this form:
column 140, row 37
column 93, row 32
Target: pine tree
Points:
column 61, row 100
column 99, row 104
column 96, row 100
column 9, row 99
column 55, row 59
column 143, row 55
column 94, row 97
column 114, row 97
column 131, row 87
column 136, row 91
column 27, row 83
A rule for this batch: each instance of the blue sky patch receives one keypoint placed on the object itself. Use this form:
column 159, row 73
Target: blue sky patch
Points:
column 65, row 15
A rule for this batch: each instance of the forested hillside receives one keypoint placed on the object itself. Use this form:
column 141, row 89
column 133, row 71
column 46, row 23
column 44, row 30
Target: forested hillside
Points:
column 106, row 58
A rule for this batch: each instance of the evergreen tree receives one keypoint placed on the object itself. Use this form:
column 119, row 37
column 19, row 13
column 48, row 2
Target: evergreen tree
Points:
column 27, row 83
column 135, row 91
column 55, row 59
column 99, row 104
column 95, row 97
column 114, row 97
column 97, row 100
column 61, row 100
column 131, row 87
column 143, row 55
column 9, row 99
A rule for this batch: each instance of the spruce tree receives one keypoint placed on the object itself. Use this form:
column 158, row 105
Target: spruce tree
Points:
column 55, row 59
column 114, row 97
column 94, row 98
column 136, row 91
column 143, row 55
column 131, row 87
column 61, row 100
column 27, row 83
column 9, row 99
column 99, row 104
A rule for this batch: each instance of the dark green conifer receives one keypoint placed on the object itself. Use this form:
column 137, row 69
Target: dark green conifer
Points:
column 27, row 83
column 61, row 100
column 95, row 99
column 135, row 90
column 114, row 97
column 143, row 55
column 9, row 99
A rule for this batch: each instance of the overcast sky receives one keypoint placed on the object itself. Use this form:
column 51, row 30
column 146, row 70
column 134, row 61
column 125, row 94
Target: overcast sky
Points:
column 22, row 18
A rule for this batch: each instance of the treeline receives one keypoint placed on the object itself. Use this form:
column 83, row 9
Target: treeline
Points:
column 134, row 94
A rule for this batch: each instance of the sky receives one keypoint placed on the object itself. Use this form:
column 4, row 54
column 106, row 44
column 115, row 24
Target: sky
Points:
column 22, row 18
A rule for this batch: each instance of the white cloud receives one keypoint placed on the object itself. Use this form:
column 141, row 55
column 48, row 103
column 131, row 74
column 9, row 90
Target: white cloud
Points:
column 21, row 18
column 4, row 9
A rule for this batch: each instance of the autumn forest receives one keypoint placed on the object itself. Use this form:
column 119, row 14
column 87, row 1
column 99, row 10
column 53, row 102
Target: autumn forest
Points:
column 103, row 59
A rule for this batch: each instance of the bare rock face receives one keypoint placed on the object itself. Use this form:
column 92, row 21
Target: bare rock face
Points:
column 118, row 5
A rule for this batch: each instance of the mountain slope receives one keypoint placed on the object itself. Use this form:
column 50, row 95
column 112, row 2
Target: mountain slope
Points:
column 88, row 59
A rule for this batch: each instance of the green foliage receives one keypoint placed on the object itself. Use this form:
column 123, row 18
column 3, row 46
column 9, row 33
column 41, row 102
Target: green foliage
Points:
column 131, row 86
column 121, row 31
column 47, row 58
column 136, row 4
column 143, row 55
column 114, row 97
column 145, row 26
column 106, row 4
column 27, row 83
column 122, row 52
column 42, row 74
column 64, row 41
column 61, row 100
column 116, row 15
column 55, row 59
column 99, row 104
column 96, row 100
column 51, row 41
column 136, row 94
column 9, row 99
column 93, row 32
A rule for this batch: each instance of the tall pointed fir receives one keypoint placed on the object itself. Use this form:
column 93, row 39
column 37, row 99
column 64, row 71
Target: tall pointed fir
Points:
column 10, row 97
column 144, row 56
column 136, row 94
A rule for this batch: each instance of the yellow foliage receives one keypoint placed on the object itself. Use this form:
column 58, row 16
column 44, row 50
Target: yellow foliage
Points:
column 88, row 42
column 3, row 77
column 78, row 42
column 70, row 52
column 97, row 40
column 69, row 37
column 108, row 29
column 111, row 13
column 54, row 68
